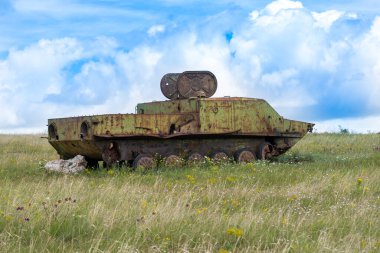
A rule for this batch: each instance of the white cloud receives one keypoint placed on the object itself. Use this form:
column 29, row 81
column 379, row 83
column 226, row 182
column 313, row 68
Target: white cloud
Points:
column 153, row 30
column 103, row 46
column 40, row 65
column 254, row 15
column 327, row 18
column 367, row 63
column 352, row 15
column 278, row 79
column 275, row 7
column 29, row 76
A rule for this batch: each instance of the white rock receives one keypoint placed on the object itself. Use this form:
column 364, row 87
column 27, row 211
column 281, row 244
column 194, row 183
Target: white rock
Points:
column 74, row 165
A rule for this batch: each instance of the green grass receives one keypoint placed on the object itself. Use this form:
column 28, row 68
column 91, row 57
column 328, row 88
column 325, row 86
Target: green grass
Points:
column 322, row 196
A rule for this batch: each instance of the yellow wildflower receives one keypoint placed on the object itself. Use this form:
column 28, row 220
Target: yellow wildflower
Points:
column 144, row 204
column 231, row 179
column 211, row 180
column 235, row 231
column 359, row 180
column 292, row 197
column 223, row 251
column 201, row 210
column 191, row 179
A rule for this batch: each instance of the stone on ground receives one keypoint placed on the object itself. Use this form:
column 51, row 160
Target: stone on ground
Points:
column 74, row 165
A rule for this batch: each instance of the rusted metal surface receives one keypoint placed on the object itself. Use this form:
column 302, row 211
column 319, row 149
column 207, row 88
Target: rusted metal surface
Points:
column 169, row 85
column 243, row 128
column 201, row 118
column 168, row 107
column 241, row 117
column 197, row 84
column 189, row 84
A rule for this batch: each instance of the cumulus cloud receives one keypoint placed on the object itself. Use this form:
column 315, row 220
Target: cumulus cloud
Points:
column 27, row 75
column 35, row 81
column 330, row 80
column 367, row 54
column 308, row 65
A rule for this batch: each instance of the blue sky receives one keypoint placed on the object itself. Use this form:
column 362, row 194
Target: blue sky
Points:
column 317, row 61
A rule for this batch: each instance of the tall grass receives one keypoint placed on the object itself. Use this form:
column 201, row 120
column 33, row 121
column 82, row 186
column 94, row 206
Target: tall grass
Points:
column 322, row 196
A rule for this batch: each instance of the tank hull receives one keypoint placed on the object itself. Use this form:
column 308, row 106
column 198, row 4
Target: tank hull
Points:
column 181, row 128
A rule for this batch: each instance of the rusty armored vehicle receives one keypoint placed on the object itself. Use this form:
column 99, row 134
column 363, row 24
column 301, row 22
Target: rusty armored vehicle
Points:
column 188, row 126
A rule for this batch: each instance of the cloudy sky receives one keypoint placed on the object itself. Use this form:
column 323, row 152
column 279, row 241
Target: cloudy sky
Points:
column 316, row 61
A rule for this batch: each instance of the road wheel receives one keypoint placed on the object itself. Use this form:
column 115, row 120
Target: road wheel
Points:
column 219, row 157
column 172, row 161
column 265, row 151
column 195, row 158
column 144, row 161
column 244, row 156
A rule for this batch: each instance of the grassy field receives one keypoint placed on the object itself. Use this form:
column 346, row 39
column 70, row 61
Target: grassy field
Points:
column 322, row 196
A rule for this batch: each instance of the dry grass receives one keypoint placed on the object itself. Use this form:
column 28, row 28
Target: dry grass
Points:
column 324, row 196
